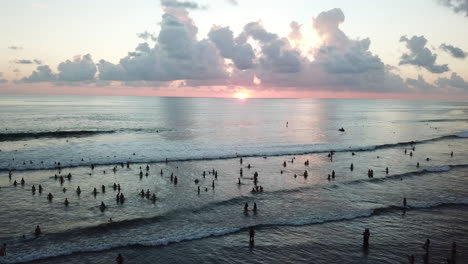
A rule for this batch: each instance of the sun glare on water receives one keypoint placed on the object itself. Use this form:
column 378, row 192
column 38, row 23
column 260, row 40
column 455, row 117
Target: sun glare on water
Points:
column 241, row 95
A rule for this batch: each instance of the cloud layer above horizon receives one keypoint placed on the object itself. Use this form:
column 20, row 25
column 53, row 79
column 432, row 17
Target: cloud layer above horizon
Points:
column 257, row 59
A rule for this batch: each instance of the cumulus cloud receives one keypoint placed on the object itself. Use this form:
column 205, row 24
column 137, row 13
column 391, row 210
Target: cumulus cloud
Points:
column 242, row 54
column 254, row 58
column 455, row 81
column 420, row 55
column 454, row 51
column 277, row 55
column 181, row 4
column 15, row 47
column 42, row 73
column 177, row 55
column 458, row 6
column 77, row 70
column 340, row 54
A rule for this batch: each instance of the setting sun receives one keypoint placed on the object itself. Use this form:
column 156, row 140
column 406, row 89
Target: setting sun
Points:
column 241, row 95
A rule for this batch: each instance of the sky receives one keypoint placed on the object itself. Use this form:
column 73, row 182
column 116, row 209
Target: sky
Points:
column 242, row 48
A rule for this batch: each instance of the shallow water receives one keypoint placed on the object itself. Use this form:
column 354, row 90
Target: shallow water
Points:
column 199, row 135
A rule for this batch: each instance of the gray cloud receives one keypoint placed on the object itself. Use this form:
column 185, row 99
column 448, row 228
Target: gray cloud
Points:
column 421, row 84
column 35, row 61
column 277, row 55
column 146, row 36
column 177, row 55
column 421, row 56
column 241, row 54
column 455, row 81
column 340, row 54
column 23, row 61
column 458, row 6
column 77, row 70
column 454, row 51
column 233, row 2
column 15, row 47
column 181, row 4
column 340, row 63
column 42, row 73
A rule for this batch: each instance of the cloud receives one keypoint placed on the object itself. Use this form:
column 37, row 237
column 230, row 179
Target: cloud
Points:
column 42, row 73
column 255, row 58
column 233, row 2
column 177, row 55
column 455, row 81
column 339, row 53
column 15, row 47
column 181, row 4
column 277, row 55
column 77, row 70
column 421, row 56
column 23, row 62
column 454, row 51
column 295, row 33
column 146, row 36
column 457, row 6
column 35, row 61
column 242, row 54
column 420, row 83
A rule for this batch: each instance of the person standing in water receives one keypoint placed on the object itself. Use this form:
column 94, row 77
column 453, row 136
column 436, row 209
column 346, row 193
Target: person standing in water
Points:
column 366, row 236
column 119, row 259
column 251, row 235
column 37, row 231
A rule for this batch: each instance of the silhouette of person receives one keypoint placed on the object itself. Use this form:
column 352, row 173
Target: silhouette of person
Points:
column 366, row 236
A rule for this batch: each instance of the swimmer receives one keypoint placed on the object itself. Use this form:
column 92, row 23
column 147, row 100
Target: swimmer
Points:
column 78, row 190
column 66, row 202
column 37, row 231
column 102, row 206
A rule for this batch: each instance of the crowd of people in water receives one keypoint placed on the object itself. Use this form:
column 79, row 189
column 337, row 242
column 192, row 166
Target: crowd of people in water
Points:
column 256, row 188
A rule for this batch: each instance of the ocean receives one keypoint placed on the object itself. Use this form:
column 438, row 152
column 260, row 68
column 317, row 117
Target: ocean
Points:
column 313, row 219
